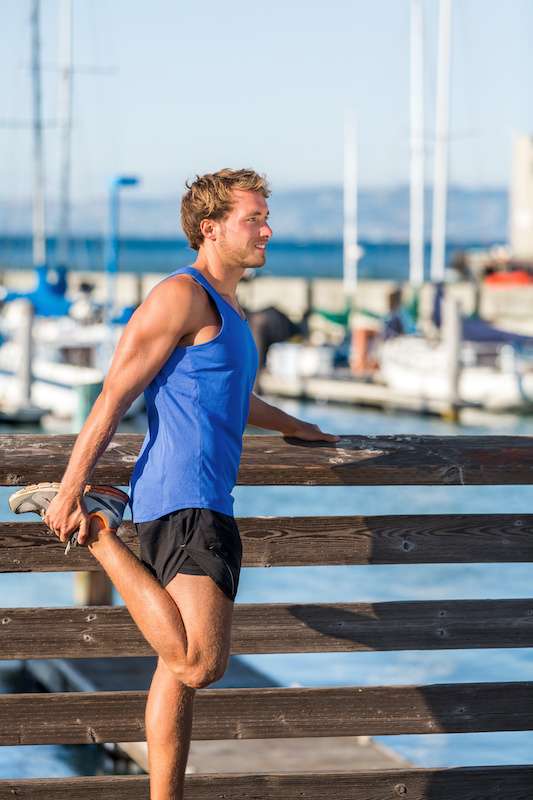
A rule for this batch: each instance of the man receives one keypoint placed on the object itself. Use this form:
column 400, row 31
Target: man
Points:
column 189, row 348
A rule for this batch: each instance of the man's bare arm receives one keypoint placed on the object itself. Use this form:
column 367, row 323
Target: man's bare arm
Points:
column 148, row 340
column 264, row 415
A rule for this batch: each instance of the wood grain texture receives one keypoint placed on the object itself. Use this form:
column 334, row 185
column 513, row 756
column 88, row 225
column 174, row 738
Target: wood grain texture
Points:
column 97, row 631
column 304, row 541
column 91, row 717
column 276, row 460
column 464, row 783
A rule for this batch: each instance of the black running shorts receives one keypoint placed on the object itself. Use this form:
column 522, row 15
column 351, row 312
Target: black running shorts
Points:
column 196, row 541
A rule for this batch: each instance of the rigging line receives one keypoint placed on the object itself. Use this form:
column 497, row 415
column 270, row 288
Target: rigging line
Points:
column 12, row 143
column 15, row 124
column 85, row 69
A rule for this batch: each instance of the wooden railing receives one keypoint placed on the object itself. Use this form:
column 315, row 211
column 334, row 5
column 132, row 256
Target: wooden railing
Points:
column 289, row 628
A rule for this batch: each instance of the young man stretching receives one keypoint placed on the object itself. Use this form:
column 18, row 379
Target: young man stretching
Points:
column 188, row 346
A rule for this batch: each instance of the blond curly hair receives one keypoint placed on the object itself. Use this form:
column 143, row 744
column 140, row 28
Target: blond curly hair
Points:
column 210, row 197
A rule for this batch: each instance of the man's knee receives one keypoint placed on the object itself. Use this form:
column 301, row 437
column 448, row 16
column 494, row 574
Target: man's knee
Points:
column 199, row 672
column 202, row 672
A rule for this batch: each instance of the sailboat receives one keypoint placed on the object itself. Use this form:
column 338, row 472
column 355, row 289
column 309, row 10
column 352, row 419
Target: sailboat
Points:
column 57, row 338
column 471, row 362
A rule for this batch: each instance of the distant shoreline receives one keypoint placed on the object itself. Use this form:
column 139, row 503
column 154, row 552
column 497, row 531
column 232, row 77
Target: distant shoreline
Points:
column 299, row 258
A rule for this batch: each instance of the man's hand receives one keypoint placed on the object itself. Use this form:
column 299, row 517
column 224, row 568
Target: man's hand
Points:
column 309, row 432
column 66, row 514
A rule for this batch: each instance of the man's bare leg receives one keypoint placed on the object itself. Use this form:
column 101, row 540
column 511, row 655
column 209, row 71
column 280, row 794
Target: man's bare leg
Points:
column 152, row 608
column 190, row 617
column 207, row 615
column 192, row 654
column 169, row 712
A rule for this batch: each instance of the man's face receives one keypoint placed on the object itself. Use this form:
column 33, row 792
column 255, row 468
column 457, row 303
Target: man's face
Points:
column 244, row 233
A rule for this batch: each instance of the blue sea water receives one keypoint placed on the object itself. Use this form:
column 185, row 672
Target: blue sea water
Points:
column 381, row 260
column 351, row 584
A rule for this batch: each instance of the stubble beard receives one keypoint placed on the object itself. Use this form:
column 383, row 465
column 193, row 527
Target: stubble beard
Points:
column 242, row 258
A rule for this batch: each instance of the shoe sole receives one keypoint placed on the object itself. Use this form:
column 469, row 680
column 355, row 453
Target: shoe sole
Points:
column 90, row 488
column 27, row 491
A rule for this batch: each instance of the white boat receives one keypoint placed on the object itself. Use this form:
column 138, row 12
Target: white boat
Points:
column 54, row 384
column 45, row 360
column 492, row 377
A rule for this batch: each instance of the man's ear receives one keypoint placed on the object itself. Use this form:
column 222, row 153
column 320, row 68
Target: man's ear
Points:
column 208, row 229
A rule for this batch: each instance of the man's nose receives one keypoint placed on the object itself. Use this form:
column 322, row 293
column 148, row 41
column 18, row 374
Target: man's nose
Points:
column 266, row 230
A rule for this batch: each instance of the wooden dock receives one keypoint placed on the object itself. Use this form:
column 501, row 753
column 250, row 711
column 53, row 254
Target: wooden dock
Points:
column 345, row 388
column 260, row 755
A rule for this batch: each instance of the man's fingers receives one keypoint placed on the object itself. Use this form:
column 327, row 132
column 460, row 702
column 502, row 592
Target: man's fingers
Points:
column 64, row 531
column 312, row 433
column 48, row 524
column 83, row 531
column 327, row 437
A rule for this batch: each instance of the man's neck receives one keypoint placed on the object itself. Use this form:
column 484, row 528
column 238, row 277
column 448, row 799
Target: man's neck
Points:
column 224, row 278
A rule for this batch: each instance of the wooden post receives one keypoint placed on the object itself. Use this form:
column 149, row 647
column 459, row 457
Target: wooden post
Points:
column 90, row 588
column 451, row 339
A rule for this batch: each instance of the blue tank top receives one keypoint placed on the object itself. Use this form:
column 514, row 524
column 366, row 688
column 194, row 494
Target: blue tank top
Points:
column 197, row 408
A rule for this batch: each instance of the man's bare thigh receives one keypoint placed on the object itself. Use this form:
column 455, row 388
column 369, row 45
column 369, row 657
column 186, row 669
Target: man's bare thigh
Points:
column 207, row 616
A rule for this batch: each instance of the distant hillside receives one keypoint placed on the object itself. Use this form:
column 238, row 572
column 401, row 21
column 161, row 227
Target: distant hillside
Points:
column 473, row 215
column 307, row 214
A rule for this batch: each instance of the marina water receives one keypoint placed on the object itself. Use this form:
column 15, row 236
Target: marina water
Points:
column 381, row 260
column 373, row 583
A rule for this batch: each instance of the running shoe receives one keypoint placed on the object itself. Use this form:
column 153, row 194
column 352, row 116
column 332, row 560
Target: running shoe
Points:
column 105, row 503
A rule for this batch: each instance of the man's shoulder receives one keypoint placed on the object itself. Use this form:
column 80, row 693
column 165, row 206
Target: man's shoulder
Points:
column 177, row 296
column 181, row 286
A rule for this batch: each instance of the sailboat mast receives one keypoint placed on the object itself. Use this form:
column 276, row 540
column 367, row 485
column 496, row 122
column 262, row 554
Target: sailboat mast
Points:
column 350, row 246
column 438, row 238
column 416, row 232
column 39, row 218
column 63, row 232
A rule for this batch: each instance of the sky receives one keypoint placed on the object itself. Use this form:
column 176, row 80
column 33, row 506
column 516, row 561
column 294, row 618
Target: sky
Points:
column 196, row 86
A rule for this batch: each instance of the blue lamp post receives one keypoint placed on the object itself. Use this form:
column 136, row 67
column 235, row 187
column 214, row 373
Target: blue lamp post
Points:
column 112, row 240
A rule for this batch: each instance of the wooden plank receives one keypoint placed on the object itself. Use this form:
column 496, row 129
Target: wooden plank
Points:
column 303, row 541
column 275, row 460
column 29, row 547
column 96, row 717
column 99, row 631
column 463, row 783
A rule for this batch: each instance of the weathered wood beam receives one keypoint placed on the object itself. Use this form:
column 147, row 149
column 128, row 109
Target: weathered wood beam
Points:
column 463, row 783
column 306, row 541
column 101, row 631
column 89, row 717
column 276, row 460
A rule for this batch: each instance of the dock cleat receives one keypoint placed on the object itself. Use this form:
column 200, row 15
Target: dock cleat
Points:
column 105, row 503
